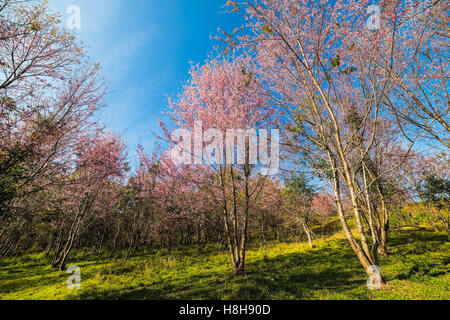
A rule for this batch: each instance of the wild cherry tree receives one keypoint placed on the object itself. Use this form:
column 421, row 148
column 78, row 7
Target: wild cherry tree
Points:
column 423, row 181
column 298, row 202
column 323, row 206
column 48, row 94
column 181, row 202
column 100, row 161
column 321, row 64
column 223, row 95
column 418, row 36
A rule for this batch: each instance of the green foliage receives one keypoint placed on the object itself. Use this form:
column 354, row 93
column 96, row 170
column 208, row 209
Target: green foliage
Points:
column 35, row 26
column 435, row 191
column 297, row 187
column 267, row 29
column 336, row 61
column 12, row 173
column 324, row 169
column 349, row 70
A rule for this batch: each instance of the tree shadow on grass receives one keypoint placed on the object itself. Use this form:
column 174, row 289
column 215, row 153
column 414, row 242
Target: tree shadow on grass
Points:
column 408, row 248
column 306, row 274
column 19, row 277
column 412, row 237
column 291, row 275
column 296, row 274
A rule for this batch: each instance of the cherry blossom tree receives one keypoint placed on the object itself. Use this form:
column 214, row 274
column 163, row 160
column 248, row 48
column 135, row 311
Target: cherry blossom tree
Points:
column 299, row 200
column 100, row 161
column 323, row 206
column 225, row 94
column 323, row 67
column 48, row 94
column 417, row 34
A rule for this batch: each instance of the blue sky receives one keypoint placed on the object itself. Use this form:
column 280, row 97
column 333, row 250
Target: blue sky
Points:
column 145, row 47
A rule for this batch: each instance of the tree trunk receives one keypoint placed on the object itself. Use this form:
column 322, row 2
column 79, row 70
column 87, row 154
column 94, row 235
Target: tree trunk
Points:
column 365, row 261
column 308, row 234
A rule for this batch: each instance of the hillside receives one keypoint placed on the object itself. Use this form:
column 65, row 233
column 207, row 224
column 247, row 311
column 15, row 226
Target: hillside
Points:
column 418, row 268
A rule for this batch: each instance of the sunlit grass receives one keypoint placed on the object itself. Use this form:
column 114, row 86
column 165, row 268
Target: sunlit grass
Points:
column 417, row 269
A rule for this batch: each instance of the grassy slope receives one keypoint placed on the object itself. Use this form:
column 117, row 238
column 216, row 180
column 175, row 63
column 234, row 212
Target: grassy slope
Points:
column 418, row 269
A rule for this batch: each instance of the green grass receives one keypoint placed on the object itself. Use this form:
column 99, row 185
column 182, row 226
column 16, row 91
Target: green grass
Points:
column 417, row 269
